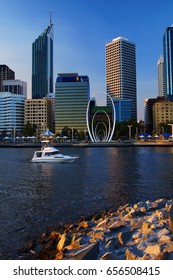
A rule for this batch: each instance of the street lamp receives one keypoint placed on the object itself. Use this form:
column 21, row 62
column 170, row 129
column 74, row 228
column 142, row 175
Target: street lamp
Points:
column 130, row 132
column 172, row 129
column 136, row 133
column 72, row 134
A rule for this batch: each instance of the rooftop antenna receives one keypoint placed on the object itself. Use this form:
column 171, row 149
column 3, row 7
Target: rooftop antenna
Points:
column 50, row 17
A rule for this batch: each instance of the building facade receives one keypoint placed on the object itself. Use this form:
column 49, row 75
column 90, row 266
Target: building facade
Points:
column 38, row 112
column 162, row 113
column 121, row 71
column 123, row 108
column 15, row 86
column 148, row 112
column 5, row 74
column 11, row 113
column 161, row 76
column 72, row 94
column 168, row 62
column 42, row 64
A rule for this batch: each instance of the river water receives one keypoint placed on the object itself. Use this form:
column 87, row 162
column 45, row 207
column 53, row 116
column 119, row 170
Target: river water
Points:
column 38, row 197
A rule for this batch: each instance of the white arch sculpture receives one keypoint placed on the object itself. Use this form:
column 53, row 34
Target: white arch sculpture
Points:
column 105, row 131
column 92, row 132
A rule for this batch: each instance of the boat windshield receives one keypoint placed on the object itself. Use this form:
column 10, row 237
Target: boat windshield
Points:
column 38, row 154
column 51, row 153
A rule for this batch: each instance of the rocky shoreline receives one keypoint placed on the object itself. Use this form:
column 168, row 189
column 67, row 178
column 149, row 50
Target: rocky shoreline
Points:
column 143, row 231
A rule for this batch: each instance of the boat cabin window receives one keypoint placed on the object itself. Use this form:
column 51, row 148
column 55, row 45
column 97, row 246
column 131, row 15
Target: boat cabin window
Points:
column 38, row 154
column 51, row 153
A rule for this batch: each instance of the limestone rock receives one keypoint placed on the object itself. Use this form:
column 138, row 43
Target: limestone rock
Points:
column 165, row 238
column 61, row 242
column 171, row 218
column 146, row 228
column 124, row 237
column 142, row 246
column 87, row 252
column 163, row 231
column 153, row 250
column 133, row 254
column 116, row 225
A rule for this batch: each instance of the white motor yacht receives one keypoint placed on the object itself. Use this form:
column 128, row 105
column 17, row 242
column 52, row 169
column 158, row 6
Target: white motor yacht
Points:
column 51, row 154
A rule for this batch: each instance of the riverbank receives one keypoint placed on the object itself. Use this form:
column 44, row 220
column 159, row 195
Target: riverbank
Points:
column 143, row 231
column 90, row 144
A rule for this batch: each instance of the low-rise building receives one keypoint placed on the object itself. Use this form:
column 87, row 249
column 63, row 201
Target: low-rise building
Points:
column 38, row 112
column 148, row 112
column 162, row 113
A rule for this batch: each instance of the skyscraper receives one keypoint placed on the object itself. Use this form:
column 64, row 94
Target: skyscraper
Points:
column 121, row 71
column 5, row 74
column 161, row 76
column 168, row 61
column 42, row 63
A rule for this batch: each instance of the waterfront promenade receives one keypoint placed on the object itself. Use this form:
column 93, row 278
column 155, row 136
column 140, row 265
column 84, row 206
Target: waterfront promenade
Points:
column 90, row 144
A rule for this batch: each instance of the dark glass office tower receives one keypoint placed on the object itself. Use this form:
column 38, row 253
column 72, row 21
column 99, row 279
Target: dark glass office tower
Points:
column 5, row 74
column 168, row 60
column 42, row 64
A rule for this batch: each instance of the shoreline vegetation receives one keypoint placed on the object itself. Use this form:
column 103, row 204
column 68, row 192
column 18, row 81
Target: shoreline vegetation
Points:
column 143, row 231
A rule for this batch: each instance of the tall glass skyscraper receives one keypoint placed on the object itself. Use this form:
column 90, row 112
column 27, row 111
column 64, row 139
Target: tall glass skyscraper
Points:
column 168, row 61
column 42, row 63
column 121, row 71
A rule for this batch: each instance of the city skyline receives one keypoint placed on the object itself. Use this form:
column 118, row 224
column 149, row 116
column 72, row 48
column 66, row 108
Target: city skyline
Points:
column 81, row 31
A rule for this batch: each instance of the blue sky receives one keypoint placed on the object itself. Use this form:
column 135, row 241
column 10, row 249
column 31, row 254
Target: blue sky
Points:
column 81, row 30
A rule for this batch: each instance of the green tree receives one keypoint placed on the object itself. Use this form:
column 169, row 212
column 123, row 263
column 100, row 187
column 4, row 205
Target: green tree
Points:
column 4, row 133
column 29, row 129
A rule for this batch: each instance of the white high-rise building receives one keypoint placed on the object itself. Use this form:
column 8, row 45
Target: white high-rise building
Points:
column 11, row 112
column 121, row 71
column 161, row 76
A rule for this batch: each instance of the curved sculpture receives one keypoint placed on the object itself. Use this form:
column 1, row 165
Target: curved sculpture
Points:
column 104, row 131
column 108, row 131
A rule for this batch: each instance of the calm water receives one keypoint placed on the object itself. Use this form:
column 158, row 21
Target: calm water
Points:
column 37, row 197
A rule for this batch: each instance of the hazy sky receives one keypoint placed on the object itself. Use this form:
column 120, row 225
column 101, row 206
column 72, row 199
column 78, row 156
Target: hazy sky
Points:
column 81, row 30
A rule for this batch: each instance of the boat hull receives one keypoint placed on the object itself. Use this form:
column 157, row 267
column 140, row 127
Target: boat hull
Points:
column 56, row 160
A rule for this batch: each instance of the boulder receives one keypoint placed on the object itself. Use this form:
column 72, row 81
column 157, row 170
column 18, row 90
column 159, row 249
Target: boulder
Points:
column 146, row 228
column 153, row 250
column 61, row 242
column 171, row 218
column 87, row 252
column 124, row 237
column 117, row 225
column 165, row 238
column 133, row 254
column 163, row 231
